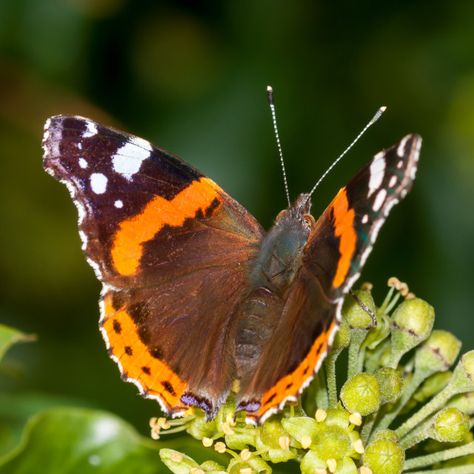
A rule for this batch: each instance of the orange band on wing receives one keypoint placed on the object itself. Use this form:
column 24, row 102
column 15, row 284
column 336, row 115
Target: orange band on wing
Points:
column 344, row 229
column 155, row 376
column 290, row 385
column 127, row 248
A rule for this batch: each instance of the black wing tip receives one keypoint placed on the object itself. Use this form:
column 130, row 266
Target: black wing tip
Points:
column 410, row 142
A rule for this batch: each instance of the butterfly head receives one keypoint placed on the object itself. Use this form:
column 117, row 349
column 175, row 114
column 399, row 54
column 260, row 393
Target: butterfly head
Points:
column 299, row 211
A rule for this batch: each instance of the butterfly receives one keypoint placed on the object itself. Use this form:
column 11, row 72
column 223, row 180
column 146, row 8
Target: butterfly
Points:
column 195, row 294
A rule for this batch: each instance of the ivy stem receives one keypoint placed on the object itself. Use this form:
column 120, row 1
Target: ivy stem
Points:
column 330, row 366
column 435, row 404
column 321, row 390
column 386, row 301
column 355, row 363
column 373, row 358
column 368, row 426
column 414, row 438
column 422, row 461
column 449, row 470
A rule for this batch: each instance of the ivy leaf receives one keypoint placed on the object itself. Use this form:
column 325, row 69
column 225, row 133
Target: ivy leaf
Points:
column 10, row 336
column 82, row 441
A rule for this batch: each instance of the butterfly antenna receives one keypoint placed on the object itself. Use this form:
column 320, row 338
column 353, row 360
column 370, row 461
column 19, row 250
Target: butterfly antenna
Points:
column 277, row 136
column 374, row 119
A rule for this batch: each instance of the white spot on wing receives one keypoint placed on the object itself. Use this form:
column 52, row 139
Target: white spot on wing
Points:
column 118, row 204
column 128, row 159
column 365, row 219
column 401, row 147
column 91, row 130
column 377, row 172
column 51, row 139
column 376, row 229
column 379, row 199
column 83, row 163
column 365, row 254
column 400, row 164
column 98, row 183
column 83, row 237
column 389, row 206
column 393, row 181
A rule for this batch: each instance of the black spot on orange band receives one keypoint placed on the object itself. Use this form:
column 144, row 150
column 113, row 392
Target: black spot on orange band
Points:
column 117, row 327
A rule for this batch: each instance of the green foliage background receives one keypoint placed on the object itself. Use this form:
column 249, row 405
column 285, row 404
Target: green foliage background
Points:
column 191, row 77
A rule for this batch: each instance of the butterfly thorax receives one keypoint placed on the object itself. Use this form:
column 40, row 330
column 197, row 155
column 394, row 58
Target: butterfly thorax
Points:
column 281, row 249
column 272, row 274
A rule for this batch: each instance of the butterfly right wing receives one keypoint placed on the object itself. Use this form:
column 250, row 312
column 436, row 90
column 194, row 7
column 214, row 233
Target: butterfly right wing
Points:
column 334, row 255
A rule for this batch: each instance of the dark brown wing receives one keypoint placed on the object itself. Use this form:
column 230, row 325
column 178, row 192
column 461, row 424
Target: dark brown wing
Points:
column 172, row 250
column 333, row 257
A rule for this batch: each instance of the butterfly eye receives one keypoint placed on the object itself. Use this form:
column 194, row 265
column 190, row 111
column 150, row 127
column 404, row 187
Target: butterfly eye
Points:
column 280, row 214
column 310, row 220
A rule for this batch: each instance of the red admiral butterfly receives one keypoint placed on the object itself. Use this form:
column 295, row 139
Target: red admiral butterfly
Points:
column 195, row 293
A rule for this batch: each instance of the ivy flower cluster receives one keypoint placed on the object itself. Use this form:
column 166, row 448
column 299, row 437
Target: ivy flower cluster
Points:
column 405, row 405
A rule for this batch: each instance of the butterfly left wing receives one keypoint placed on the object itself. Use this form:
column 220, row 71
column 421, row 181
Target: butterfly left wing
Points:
column 333, row 257
column 172, row 250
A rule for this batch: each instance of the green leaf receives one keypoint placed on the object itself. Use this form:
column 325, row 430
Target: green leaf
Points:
column 82, row 441
column 10, row 336
column 17, row 407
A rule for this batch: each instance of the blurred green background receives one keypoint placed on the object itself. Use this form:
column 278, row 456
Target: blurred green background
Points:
column 191, row 77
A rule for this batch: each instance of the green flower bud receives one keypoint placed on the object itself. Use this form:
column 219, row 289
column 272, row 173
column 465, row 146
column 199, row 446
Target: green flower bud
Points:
column 432, row 385
column 177, row 462
column 241, row 438
column 213, row 467
column 333, row 442
column 346, row 466
column 464, row 402
column 301, row 428
column 463, row 375
column 200, row 428
column 254, row 465
column 342, row 338
column 384, row 457
column 412, row 322
column 385, row 355
column 361, row 394
column 438, row 353
column 274, row 443
column 311, row 463
column 356, row 316
column 337, row 417
column 450, row 426
column 379, row 333
column 388, row 435
column 390, row 382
